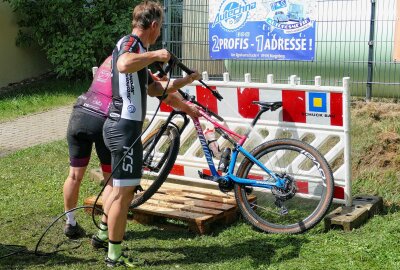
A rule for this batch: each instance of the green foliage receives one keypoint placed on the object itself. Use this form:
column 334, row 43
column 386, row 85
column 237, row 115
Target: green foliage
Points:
column 75, row 35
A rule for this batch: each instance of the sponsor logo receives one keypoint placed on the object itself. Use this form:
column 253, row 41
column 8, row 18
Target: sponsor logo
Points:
column 233, row 14
column 127, row 164
column 317, row 103
column 203, row 142
column 290, row 17
column 130, row 88
column 314, row 160
column 116, row 115
column 104, row 76
column 278, row 5
column 131, row 109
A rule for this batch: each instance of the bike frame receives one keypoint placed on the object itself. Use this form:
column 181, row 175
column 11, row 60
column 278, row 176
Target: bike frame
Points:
column 238, row 143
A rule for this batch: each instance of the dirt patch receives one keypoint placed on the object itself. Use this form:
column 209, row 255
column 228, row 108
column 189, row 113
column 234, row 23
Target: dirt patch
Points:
column 376, row 110
column 384, row 153
column 384, row 117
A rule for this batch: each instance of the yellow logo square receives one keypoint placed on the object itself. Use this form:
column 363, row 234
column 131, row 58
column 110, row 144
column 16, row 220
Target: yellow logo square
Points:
column 317, row 102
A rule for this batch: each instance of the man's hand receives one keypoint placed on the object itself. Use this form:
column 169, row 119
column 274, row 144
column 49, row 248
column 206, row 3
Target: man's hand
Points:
column 194, row 76
column 192, row 111
column 162, row 55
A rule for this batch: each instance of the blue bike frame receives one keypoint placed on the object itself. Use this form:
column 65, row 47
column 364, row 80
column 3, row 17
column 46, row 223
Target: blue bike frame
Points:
column 229, row 176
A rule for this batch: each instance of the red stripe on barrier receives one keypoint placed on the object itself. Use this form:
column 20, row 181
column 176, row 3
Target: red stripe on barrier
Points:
column 255, row 177
column 206, row 98
column 165, row 107
column 336, row 109
column 250, row 176
column 338, row 193
column 207, row 171
column 302, row 187
column 245, row 98
column 178, row 170
column 294, row 106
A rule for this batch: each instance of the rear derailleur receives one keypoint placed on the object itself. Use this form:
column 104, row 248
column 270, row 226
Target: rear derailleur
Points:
column 284, row 194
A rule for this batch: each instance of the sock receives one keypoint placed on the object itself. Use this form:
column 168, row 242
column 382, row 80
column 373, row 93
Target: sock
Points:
column 71, row 218
column 114, row 250
column 103, row 235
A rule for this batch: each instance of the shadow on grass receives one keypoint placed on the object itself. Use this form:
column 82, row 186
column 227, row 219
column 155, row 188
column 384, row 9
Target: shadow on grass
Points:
column 260, row 248
column 165, row 230
column 260, row 251
column 26, row 258
column 388, row 209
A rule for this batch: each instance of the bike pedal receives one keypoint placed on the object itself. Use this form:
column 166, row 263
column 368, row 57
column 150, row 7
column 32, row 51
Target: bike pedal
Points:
column 205, row 176
column 248, row 190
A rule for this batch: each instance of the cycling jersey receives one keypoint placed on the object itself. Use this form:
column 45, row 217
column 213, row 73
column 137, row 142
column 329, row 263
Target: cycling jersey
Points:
column 85, row 125
column 97, row 99
column 129, row 89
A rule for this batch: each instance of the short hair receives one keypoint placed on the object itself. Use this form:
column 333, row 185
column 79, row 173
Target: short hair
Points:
column 147, row 12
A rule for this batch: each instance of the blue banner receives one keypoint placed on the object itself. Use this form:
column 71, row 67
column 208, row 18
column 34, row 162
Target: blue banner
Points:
column 263, row 29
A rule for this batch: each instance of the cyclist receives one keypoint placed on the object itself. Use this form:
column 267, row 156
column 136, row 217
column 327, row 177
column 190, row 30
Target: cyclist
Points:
column 131, row 83
column 85, row 128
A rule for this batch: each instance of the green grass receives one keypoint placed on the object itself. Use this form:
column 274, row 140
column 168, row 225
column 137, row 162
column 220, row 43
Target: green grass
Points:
column 31, row 198
column 39, row 96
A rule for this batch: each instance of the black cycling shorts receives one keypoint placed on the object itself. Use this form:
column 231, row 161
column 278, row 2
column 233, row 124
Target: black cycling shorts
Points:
column 119, row 135
column 84, row 129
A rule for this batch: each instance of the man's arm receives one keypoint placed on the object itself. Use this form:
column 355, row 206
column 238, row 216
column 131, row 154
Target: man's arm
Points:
column 131, row 62
column 157, row 87
column 177, row 101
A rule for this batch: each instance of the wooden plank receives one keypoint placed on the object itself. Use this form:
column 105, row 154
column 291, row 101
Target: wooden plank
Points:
column 183, row 207
column 200, row 193
column 206, row 191
column 170, row 213
column 193, row 194
column 191, row 201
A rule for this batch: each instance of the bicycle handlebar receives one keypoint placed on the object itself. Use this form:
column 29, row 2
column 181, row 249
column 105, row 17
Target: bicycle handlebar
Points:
column 174, row 61
column 187, row 97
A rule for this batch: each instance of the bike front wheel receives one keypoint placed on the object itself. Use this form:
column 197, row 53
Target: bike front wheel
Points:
column 305, row 199
column 159, row 155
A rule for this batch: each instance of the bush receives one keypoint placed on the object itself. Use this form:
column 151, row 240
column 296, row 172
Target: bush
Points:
column 74, row 34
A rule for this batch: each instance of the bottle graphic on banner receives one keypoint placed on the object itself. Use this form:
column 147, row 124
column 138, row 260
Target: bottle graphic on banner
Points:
column 209, row 134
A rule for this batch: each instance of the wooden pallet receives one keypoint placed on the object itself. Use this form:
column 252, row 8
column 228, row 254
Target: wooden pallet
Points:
column 200, row 208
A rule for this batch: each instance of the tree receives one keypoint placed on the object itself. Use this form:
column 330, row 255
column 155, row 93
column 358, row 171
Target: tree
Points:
column 74, row 34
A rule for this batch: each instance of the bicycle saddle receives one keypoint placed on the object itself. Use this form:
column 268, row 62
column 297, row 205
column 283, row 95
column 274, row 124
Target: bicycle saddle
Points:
column 269, row 105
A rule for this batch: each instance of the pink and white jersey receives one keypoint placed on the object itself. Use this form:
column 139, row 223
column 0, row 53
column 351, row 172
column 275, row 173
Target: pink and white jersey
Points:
column 98, row 98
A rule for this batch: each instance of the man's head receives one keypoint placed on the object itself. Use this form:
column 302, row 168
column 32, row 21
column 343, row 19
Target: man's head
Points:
column 148, row 15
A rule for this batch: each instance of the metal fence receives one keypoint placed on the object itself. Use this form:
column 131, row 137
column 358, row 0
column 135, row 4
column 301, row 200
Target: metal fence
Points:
column 354, row 39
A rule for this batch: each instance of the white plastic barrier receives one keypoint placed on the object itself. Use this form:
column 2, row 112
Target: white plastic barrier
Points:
column 320, row 115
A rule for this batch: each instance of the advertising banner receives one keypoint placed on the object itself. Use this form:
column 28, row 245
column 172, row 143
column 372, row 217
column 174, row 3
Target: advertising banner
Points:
column 262, row 29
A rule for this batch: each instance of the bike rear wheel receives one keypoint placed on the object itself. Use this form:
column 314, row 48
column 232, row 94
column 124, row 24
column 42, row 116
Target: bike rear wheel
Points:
column 298, row 207
column 161, row 151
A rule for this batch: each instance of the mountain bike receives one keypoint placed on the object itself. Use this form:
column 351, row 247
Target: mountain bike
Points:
column 291, row 181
